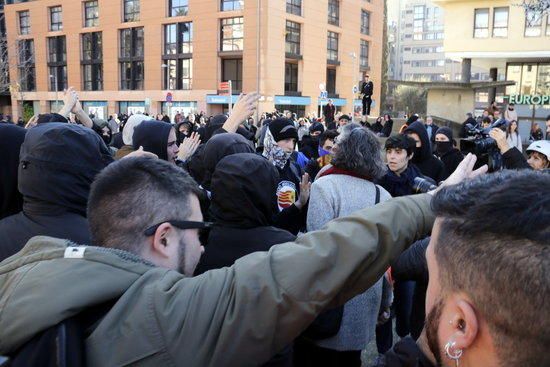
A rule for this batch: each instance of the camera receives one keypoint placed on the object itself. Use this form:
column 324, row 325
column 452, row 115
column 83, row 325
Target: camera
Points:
column 422, row 185
column 478, row 141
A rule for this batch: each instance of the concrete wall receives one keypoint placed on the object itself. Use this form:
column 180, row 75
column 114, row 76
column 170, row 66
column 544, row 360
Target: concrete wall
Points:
column 205, row 16
column 451, row 104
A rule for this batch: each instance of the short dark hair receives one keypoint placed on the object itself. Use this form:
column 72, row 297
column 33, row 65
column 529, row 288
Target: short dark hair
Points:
column 133, row 194
column 493, row 246
column 327, row 135
column 359, row 151
column 401, row 141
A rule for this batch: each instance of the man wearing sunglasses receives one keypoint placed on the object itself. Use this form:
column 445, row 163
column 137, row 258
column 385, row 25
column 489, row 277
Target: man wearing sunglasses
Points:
column 145, row 215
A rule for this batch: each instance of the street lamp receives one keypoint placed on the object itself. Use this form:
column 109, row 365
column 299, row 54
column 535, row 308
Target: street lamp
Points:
column 353, row 55
column 56, row 92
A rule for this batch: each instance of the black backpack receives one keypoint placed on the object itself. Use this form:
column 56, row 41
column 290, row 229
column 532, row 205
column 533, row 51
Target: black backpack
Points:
column 62, row 345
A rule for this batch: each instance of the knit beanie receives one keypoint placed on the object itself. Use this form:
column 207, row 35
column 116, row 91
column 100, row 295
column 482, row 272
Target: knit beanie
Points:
column 344, row 117
column 316, row 126
column 446, row 131
column 283, row 128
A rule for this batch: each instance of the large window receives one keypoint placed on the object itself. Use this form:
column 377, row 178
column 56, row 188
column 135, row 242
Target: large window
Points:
column 419, row 12
column 292, row 38
column 331, row 81
column 232, row 34
column 294, row 7
column 365, row 22
column 131, row 10
column 291, row 77
column 91, row 14
column 229, row 5
column 364, row 55
column 232, row 69
column 334, row 12
column 177, row 8
column 92, row 61
column 418, row 29
column 177, row 56
column 26, row 65
column 332, row 46
column 481, row 23
column 56, row 18
column 24, row 22
column 533, row 24
column 131, row 59
column 57, row 63
column 548, row 25
column 500, row 22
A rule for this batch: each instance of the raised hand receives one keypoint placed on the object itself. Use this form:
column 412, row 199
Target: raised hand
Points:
column 189, row 146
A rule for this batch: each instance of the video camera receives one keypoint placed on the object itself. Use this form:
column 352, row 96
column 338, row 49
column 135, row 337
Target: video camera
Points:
column 478, row 141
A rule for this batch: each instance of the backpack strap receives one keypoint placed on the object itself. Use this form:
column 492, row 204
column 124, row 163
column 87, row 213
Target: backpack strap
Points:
column 377, row 200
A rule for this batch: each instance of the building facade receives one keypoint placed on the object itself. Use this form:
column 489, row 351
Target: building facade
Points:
column 166, row 56
column 514, row 45
column 420, row 53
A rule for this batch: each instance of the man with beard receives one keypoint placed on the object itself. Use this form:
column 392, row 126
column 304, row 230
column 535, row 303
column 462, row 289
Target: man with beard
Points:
column 488, row 261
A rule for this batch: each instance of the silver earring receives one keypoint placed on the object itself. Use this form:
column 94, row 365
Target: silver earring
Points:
column 453, row 355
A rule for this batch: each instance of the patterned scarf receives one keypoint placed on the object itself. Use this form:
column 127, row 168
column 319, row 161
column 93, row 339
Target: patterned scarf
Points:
column 274, row 153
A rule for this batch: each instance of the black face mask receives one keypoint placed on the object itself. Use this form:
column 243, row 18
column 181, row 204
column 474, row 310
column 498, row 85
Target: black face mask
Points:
column 443, row 147
column 511, row 108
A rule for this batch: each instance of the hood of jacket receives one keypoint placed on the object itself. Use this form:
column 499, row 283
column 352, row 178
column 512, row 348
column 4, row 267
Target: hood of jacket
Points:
column 181, row 136
column 243, row 191
column 11, row 201
column 57, row 165
column 424, row 152
column 153, row 137
column 130, row 125
column 37, row 275
column 218, row 147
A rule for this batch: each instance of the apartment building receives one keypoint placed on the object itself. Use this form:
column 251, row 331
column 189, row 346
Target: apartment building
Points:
column 128, row 56
column 420, row 55
column 512, row 43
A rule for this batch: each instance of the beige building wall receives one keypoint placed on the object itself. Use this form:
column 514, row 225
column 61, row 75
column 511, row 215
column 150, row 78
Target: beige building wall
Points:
column 268, row 31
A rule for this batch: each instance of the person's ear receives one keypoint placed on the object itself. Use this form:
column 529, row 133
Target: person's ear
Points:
column 160, row 240
column 464, row 325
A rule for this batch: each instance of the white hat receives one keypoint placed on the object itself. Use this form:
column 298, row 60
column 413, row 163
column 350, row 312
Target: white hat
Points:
column 541, row 146
column 133, row 121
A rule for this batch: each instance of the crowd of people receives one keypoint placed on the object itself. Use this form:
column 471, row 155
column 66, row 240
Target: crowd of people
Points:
column 288, row 241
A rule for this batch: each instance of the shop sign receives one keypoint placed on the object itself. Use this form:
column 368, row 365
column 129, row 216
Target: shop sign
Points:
column 537, row 100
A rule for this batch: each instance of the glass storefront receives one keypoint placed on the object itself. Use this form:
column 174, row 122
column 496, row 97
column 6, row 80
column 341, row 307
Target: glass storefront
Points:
column 532, row 79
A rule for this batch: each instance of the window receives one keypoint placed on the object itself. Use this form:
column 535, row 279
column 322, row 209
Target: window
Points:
column 334, row 12
column 364, row 54
column 26, row 65
column 91, row 14
column 131, row 59
column 229, row 5
column 24, row 22
column 178, row 8
column 57, row 63
column 419, row 12
column 131, row 10
column 232, row 69
column 332, row 46
column 500, row 22
column 232, row 34
column 56, row 19
column 291, row 77
column 292, row 38
column 481, row 23
column 92, row 61
column 331, row 81
column 548, row 25
column 177, row 58
column 533, row 24
column 294, row 7
column 365, row 22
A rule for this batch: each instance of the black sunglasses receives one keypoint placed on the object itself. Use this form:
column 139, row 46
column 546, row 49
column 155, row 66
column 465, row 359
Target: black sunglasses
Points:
column 181, row 224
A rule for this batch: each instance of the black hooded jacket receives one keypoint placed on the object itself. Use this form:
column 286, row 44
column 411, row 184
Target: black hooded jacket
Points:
column 58, row 163
column 11, row 138
column 218, row 147
column 153, row 137
column 242, row 208
column 423, row 158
